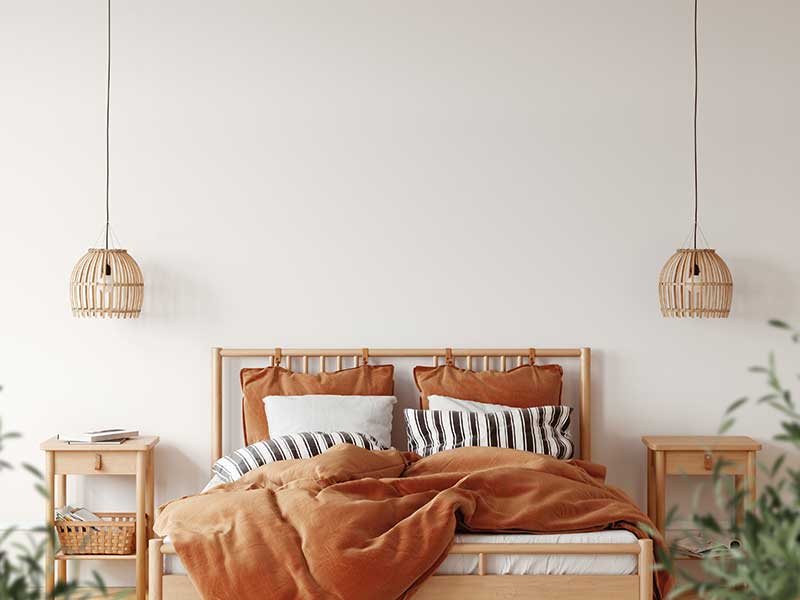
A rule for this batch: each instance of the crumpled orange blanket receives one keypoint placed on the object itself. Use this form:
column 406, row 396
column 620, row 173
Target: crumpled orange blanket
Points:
column 373, row 525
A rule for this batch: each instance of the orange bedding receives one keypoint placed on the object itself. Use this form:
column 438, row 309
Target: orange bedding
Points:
column 373, row 525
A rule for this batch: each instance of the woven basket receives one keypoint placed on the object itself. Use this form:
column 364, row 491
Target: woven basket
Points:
column 115, row 534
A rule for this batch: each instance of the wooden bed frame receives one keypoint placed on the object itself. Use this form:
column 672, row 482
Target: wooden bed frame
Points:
column 447, row 587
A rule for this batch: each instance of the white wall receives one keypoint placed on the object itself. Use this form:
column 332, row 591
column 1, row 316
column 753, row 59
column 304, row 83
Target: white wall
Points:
column 406, row 174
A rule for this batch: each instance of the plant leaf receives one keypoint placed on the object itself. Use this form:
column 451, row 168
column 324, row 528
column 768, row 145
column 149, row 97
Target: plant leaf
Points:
column 736, row 405
column 779, row 324
column 726, row 425
column 32, row 470
column 99, row 583
column 777, row 465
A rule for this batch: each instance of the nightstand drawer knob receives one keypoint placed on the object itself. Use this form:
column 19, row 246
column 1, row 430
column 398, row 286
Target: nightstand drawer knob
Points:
column 707, row 462
column 98, row 462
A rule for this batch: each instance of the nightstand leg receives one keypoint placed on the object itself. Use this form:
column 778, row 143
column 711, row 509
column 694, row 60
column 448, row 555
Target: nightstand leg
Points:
column 751, row 480
column 61, row 500
column 49, row 573
column 738, row 482
column 141, row 526
column 660, row 490
column 150, row 493
column 651, row 484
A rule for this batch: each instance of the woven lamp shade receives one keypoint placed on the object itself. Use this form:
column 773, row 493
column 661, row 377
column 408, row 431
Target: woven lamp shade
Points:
column 695, row 283
column 107, row 283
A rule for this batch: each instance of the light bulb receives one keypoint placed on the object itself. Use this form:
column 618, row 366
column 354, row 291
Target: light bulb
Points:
column 106, row 287
column 107, row 278
column 694, row 287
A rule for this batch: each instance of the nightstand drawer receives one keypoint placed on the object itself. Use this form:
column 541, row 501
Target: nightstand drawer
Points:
column 95, row 463
column 702, row 463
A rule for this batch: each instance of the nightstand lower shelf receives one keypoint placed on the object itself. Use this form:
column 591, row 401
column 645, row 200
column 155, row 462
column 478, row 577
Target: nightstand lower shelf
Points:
column 61, row 556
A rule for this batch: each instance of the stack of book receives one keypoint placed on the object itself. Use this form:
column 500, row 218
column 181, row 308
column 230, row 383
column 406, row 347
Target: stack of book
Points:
column 101, row 436
column 78, row 514
column 71, row 513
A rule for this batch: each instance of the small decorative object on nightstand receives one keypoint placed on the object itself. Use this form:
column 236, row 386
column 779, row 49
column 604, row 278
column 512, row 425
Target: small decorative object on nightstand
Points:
column 132, row 457
column 697, row 455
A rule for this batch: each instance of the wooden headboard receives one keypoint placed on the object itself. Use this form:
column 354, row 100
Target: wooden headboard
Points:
column 487, row 358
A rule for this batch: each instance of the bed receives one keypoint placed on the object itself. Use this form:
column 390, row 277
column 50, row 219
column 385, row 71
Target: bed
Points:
column 604, row 565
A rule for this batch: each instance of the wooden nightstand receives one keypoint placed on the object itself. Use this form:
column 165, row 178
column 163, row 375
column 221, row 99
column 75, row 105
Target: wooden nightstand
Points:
column 696, row 455
column 132, row 457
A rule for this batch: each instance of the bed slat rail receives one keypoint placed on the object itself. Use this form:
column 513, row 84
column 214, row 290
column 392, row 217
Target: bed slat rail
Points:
column 402, row 352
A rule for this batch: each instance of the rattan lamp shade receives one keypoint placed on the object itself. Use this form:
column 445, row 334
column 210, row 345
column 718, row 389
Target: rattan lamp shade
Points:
column 695, row 283
column 107, row 283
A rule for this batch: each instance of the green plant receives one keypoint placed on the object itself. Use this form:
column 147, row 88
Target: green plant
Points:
column 21, row 573
column 767, row 565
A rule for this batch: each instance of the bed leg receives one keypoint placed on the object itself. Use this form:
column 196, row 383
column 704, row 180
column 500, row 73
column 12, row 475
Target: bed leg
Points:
column 156, row 566
column 645, row 569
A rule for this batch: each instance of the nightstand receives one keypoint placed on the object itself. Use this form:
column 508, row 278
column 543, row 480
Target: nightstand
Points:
column 132, row 457
column 697, row 455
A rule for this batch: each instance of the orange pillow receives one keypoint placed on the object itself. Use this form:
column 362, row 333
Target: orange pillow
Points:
column 523, row 387
column 366, row 380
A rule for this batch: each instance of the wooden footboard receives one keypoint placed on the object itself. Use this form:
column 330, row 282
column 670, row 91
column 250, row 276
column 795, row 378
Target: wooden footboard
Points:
column 480, row 586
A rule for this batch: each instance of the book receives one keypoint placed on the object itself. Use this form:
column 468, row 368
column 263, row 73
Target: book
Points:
column 105, row 443
column 72, row 513
column 101, row 435
column 698, row 546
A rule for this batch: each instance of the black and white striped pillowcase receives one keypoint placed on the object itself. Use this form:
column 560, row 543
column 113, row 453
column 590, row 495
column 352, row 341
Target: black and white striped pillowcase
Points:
column 543, row 430
column 295, row 445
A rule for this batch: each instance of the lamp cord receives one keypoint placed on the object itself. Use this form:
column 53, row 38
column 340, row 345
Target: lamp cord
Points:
column 695, row 124
column 108, row 114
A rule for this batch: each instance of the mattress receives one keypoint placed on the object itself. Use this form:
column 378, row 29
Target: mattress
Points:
column 541, row 564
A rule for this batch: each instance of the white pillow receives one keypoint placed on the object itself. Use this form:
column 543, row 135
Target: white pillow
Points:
column 215, row 481
column 321, row 412
column 446, row 403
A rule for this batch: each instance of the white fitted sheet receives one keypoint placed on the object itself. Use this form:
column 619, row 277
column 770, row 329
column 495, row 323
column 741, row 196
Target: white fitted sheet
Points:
column 540, row 564
column 543, row 564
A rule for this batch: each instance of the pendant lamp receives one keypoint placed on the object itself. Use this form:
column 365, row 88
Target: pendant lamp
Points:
column 107, row 281
column 695, row 282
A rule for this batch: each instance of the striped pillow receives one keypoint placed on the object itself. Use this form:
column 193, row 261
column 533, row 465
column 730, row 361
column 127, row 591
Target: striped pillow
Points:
column 294, row 445
column 544, row 430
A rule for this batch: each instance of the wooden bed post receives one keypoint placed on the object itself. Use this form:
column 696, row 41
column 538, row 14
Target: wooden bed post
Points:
column 586, row 403
column 155, row 587
column 216, row 405
column 645, row 569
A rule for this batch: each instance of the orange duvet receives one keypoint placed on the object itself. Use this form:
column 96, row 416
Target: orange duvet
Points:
column 369, row 525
